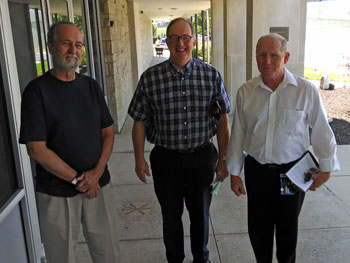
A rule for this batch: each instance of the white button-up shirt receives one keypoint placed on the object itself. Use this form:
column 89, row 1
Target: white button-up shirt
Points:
column 273, row 126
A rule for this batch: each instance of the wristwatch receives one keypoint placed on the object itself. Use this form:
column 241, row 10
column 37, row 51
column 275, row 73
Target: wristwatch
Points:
column 75, row 179
column 223, row 158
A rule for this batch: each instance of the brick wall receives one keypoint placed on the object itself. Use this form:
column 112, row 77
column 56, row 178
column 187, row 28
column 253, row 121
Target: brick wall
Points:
column 116, row 46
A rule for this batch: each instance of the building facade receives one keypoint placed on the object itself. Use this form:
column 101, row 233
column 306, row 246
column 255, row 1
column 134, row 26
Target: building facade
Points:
column 118, row 48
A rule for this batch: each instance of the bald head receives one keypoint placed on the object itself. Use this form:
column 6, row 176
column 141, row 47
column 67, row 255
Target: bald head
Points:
column 271, row 56
column 273, row 37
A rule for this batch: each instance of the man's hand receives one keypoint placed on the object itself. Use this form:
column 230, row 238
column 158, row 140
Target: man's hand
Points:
column 237, row 185
column 93, row 191
column 142, row 169
column 221, row 170
column 88, row 181
column 320, row 179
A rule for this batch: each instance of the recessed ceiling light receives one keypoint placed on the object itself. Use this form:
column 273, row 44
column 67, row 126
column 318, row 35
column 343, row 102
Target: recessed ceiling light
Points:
column 173, row 8
column 160, row 8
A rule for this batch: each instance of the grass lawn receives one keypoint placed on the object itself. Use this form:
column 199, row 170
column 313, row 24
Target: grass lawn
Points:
column 314, row 74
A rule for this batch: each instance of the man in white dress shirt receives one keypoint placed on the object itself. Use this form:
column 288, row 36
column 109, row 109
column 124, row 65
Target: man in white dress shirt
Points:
column 270, row 132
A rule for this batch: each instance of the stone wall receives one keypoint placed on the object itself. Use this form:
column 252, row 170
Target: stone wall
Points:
column 117, row 53
column 146, row 38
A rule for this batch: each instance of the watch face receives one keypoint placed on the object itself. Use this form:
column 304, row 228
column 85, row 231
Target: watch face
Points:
column 74, row 181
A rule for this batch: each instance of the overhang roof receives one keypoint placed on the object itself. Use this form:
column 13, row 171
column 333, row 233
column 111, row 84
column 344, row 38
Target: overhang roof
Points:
column 169, row 9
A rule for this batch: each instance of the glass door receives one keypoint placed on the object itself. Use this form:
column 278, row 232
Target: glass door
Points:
column 84, row 14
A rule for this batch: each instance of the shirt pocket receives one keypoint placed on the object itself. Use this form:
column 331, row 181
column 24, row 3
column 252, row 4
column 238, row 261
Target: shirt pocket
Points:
column 293, row 121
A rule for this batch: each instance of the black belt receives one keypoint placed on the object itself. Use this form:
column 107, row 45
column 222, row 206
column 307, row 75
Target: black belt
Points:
column 189, row 150
column 273, row 167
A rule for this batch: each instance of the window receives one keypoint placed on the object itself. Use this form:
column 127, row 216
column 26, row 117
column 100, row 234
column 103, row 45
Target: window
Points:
column 8, row 177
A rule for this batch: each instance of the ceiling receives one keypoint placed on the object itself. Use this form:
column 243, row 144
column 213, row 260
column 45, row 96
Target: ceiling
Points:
column 154, row 9
column 170, row 9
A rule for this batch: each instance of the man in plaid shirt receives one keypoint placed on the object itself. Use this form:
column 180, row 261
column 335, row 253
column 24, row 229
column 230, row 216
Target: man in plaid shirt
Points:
column 179, row 105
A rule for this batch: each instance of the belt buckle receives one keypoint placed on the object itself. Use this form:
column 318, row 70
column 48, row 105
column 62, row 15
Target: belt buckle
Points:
column 195, row 149
column 272, row 166
column 187, row 151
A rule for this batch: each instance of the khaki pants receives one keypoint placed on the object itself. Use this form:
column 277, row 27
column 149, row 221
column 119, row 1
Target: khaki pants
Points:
column 60, row 220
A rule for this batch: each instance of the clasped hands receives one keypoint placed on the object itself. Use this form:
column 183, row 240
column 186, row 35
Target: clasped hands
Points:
column 88, row 184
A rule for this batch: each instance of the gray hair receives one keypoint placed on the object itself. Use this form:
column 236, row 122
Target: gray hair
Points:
column 282, row 40
column 52, row 33
column 174, row 21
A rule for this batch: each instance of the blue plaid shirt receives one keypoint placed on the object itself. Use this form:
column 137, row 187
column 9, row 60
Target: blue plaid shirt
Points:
column 175, row 104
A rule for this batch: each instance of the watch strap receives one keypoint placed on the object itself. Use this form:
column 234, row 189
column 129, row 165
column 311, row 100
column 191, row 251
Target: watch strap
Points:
column 75, row 179
column 223, row 158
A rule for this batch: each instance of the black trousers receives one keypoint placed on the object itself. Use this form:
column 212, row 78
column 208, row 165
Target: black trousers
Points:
column 180, row 178
column 270, row 213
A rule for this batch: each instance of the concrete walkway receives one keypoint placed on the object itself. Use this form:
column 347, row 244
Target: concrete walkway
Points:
column 324, row 227
column 324, row 235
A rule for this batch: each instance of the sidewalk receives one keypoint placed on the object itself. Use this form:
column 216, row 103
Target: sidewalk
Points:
column 324, row 231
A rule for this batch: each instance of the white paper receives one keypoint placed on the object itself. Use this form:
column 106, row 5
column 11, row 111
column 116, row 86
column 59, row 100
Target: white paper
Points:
column 297, row 173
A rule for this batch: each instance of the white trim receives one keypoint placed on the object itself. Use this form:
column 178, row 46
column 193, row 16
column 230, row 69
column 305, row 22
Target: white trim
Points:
column 25, row 196
column 70, row 10
column 88, row 38
column 11, row 203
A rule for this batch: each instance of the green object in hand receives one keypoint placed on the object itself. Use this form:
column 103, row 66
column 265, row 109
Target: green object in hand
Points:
column 216, row 188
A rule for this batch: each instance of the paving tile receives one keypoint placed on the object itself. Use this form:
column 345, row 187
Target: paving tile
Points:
column 235, row 248
column 228, row 211
column 324, row 245
column 153, row 251
column 122, row 169
column 314, row 246
column 322, row 209
column 140, row 213
column 340, row 187
column 123, row 143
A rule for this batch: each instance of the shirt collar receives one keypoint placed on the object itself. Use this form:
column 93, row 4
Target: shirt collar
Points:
column 186, row 70
column 288, row 79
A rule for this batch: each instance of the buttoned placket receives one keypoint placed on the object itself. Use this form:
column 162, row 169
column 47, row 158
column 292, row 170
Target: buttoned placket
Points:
column 270, row 127
column 184, row 106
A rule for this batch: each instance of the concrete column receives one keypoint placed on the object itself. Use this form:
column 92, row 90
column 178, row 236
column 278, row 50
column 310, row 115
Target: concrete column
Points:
column 250, row 54
column 217, row 22
column 282, row 13
column 244, row 22
column 235, row 45
column 135, row 41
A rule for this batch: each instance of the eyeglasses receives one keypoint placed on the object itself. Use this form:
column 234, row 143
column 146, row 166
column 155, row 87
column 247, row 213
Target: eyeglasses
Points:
column 175, row 38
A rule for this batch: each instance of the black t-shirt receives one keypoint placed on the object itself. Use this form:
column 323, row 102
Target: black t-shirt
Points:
column 70, row 117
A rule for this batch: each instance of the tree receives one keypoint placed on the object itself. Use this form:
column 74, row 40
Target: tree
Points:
column 154, row 30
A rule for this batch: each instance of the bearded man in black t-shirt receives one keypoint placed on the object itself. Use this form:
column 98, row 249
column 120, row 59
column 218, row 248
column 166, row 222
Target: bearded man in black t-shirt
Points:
column 68, row 131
